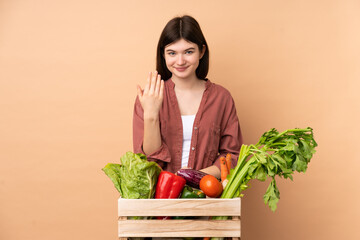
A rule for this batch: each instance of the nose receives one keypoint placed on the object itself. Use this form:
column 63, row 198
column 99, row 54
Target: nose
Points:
column 180, row 60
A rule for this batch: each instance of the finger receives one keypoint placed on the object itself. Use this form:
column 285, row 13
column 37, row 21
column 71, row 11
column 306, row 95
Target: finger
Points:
column 161, row 93
column 157, row 87
column 147, row 85
column 153, row 83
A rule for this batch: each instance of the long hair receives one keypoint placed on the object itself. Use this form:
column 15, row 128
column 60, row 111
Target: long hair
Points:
column 185, row 27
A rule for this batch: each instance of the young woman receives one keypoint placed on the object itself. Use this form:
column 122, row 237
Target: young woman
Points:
column 181, row 119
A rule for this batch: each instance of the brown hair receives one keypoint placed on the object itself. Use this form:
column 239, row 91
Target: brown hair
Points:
column 185, row 27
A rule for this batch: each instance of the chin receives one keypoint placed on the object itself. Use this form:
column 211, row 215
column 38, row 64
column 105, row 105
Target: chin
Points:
column 181, row 75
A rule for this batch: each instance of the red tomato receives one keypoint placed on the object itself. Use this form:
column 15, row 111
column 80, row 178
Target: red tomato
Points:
column 211, row 186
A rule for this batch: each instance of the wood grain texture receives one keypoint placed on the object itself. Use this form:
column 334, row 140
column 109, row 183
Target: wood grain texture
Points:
column 179, row 207
column 179, row 228
column 199, row 227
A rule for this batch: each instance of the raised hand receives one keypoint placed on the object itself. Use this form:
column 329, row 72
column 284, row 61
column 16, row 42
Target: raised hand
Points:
column 151, row 97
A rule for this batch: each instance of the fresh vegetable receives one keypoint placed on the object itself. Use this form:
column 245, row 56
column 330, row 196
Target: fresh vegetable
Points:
column 211, row 186
column 169, row 185
column 191, row 176
column 134, row 177
column 189, row 192
column 228, row 161
column 276, row 154
column 223, row 168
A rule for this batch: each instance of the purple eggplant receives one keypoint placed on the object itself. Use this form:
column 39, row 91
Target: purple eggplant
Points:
column 191, row 176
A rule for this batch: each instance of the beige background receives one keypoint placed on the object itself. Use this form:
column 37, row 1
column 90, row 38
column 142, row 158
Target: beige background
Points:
column 68, row 75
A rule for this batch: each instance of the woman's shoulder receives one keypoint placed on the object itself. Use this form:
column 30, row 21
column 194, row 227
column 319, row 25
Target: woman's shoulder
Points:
column 219, row 90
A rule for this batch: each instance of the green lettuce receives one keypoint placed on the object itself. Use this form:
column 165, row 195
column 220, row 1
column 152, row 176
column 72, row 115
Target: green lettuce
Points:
column 134, row 177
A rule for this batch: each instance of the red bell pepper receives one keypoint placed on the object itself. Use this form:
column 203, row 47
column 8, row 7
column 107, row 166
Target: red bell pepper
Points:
column 169, row 185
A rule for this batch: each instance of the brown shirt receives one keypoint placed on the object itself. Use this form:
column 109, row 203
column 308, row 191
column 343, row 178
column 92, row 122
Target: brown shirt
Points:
column 216, row 130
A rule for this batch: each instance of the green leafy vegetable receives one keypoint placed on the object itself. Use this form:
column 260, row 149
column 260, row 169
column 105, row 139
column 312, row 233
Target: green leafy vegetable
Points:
column 112, row 170
column 276, row 154
column 135, row 177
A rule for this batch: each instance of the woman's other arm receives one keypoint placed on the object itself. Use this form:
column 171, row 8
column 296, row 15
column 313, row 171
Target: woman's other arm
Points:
column 212, row 170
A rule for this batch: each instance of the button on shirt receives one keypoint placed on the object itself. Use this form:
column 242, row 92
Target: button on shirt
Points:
column 216, row 130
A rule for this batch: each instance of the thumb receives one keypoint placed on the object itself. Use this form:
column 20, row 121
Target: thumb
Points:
column 139, row 91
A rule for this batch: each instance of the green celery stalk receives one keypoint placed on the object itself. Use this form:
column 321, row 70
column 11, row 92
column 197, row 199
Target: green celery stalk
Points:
column 275, row 154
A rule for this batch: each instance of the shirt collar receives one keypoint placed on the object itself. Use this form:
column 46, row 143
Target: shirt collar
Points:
column 207, row 83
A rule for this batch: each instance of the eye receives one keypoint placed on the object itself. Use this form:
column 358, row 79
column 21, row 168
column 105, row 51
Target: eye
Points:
column 171, row 53
column 189, row 52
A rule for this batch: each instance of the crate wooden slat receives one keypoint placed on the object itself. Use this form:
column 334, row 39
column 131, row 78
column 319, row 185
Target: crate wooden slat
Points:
column 179, row 228
column 199, row 227
column 179, row 207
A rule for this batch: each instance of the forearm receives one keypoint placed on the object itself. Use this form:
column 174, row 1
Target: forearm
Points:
column 212, row 170
column 152, row 136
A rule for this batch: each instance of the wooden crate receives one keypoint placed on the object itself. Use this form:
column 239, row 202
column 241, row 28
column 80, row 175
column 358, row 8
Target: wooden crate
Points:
column 202, row 227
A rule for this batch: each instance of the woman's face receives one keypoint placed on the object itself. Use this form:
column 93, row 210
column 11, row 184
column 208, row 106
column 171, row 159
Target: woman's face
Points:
column 182, row 58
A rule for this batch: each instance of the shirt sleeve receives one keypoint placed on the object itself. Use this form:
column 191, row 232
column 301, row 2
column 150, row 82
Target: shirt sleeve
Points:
column 231, row 137
column 162, row 154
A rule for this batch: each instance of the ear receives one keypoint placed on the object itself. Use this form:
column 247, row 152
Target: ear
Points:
column 203, row 51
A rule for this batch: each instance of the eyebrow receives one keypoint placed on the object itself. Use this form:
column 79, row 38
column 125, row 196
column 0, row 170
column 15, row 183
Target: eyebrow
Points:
column 170, row 50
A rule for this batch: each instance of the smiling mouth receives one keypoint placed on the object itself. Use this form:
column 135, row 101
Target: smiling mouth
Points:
column 181, row 69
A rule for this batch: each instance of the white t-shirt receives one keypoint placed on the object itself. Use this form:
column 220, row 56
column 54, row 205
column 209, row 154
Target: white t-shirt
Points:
column 187, row 122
